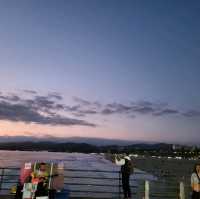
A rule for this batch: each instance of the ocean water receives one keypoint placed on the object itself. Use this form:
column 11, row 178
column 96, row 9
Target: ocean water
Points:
column 85, row 162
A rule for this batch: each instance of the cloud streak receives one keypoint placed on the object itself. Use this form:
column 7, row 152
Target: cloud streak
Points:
column 131, row 110
column 47, row 109
column 40, row 110
column 192, row 113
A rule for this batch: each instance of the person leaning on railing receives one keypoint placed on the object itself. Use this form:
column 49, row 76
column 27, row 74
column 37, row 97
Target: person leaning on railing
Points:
column 126, row 171
column 195, row 182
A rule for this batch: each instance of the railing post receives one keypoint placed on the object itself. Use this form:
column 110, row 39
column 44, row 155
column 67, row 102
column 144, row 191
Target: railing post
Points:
column 182, row 191
column 1, row 180
column 146, row 195
column 119, row 184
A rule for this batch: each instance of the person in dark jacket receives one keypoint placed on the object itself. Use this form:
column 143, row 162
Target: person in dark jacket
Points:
column 195, row 182
column 126, row 171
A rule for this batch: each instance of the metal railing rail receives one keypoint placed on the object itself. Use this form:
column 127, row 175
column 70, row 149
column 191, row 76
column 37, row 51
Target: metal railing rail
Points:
column 10, row 176
column 117, row 178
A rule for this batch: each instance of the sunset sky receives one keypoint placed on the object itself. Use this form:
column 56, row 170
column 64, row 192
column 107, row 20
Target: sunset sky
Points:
column 97, row 68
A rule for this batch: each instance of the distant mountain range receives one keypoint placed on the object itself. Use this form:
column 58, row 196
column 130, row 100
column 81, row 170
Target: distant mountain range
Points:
column 79, row 144
column 84, row 145
column 81, row 147
column 87, row 140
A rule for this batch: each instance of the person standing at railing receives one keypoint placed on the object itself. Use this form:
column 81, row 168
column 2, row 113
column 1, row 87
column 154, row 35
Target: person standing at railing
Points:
column 126, row 171
column 195, row 182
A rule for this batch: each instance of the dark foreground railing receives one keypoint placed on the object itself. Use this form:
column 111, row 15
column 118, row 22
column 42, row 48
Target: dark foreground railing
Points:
column 104, row 184
column 79, row 183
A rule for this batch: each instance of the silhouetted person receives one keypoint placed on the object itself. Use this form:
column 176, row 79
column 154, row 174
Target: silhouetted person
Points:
column 126, row 171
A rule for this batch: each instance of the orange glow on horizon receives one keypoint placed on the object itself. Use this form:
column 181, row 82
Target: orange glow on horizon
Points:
column 22, row 129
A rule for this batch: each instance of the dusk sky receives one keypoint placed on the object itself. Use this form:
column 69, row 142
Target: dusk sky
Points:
column 100, row 68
